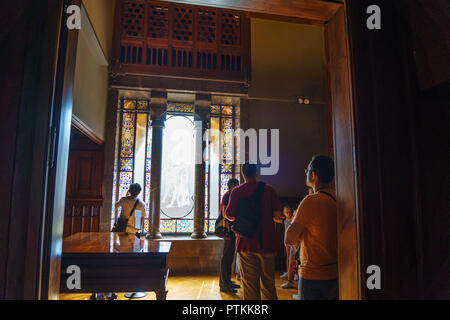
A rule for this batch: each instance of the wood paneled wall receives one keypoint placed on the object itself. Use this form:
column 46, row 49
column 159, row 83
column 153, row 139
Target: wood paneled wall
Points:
column 84, row 199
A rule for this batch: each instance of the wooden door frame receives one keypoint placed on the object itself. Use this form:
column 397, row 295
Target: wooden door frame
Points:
column 59, row 143
column 342, row 114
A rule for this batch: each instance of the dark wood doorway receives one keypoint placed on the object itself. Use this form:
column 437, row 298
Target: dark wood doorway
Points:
column 84, row 195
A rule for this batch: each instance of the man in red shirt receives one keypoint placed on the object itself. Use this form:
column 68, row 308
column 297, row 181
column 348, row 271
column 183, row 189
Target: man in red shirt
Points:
column 257, row 254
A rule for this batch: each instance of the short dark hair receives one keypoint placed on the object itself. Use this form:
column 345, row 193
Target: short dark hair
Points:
column 323, row 166
column 249, row 170
column 232, row 182
column 135, row 189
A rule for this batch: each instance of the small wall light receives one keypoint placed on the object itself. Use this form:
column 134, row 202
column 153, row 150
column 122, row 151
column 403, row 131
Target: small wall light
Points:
column 304, row 100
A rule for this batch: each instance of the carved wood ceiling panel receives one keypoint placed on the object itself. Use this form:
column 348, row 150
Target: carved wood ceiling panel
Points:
column 161, row 38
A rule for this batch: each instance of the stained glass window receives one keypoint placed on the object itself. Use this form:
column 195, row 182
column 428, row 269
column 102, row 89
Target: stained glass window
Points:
column 133, row 149
column 180, row 108
column 133, row 164
column 148, row 164
column 222, row 156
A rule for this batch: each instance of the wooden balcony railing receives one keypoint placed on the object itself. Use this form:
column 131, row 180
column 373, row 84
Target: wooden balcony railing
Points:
column 162, row 38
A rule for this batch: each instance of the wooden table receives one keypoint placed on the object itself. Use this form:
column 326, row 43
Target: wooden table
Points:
column 115, row 262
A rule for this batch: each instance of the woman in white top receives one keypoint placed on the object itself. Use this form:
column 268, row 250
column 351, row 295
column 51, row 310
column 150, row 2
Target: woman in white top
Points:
column 127, row 203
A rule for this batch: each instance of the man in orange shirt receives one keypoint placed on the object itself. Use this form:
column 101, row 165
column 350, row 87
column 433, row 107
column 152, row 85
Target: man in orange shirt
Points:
column 314, row 227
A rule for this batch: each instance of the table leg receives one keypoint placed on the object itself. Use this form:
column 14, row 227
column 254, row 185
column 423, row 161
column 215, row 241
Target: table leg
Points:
column 161, row 294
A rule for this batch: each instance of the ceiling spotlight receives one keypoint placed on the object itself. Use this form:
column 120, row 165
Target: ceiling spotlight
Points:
column 300, row 100
column 306, row 101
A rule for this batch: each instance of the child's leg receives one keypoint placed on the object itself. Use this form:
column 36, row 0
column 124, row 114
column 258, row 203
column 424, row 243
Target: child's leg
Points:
column 290, row 269
column 287, row 259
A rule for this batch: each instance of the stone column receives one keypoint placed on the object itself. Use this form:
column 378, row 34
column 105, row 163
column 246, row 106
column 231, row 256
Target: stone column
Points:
column 202, row 116
column 158, row 108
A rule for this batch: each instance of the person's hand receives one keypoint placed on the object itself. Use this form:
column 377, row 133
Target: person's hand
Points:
column 276, row 220
column 278, row 214
column 230, row 218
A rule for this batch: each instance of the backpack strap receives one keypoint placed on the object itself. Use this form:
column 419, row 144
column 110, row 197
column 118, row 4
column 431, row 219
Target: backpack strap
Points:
column 328, row 194
column 134, row 207
column 259, row 190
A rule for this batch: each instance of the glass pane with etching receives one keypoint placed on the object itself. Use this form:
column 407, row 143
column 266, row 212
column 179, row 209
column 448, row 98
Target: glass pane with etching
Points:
column 177, row 181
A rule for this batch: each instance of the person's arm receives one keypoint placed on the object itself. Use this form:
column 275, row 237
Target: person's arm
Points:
column 142, row 215
column 278, row 220
column 293, row 233
column 224, row 203
column 300, row 222
column 116, row 208
column 230, row 212
column 277, row 212
column 278, row 216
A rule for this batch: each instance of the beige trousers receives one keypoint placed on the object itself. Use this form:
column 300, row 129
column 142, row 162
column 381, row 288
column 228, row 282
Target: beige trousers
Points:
column 258, row 276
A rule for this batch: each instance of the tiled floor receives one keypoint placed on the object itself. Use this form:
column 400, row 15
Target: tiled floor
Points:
column 203, row 287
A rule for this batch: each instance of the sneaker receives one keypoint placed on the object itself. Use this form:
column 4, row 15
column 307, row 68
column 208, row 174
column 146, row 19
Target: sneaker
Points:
column 228, row 290
column 288, row 285
column 296, row 297
column 234, row 285
column 284, row 275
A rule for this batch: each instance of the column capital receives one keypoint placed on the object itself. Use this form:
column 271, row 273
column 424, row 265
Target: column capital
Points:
column 203, row 97
column 203, row 106
column 158, row 94
column 158, row 106
column 157, row 113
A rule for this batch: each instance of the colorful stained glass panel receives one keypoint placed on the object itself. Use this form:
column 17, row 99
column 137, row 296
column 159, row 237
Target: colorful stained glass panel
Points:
column 114, row 199
column 215, row 110
column 212, row 225
column 168, row 226
column 149, row 139
column 185, row 225
column 125, row 180
column 147, row 193
column 127, row 142
column 206, row 192
column 146, row 225
column 227, row 124
column 227, row 110
column 226, row 168
column 224, row 183
column 142, row 105
column 129, row 104
column 180, row 108
column 126, row 164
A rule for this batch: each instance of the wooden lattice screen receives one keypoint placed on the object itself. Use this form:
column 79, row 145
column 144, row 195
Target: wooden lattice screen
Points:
column 162, row 38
